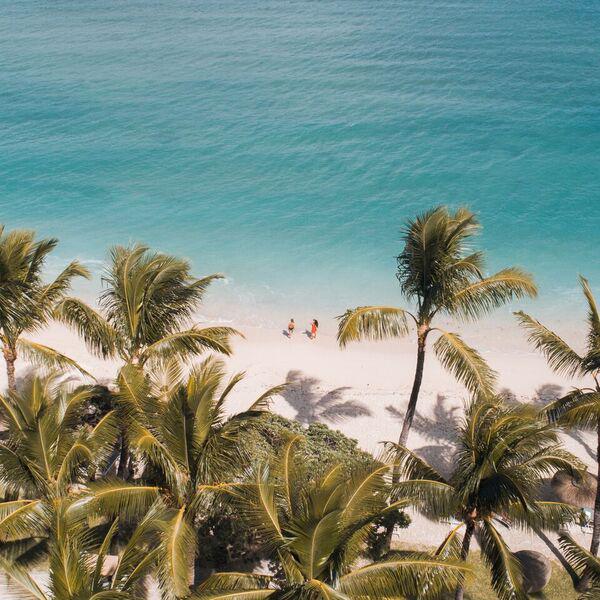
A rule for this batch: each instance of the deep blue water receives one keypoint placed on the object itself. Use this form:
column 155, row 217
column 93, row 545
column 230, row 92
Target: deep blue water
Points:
column 284, row 143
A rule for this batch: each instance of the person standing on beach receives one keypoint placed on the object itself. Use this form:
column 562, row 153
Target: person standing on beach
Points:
column 291, row 327
column 313, row 329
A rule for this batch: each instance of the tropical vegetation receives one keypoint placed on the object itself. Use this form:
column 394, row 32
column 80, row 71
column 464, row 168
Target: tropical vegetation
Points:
column 152, row 484
column 580, row 408
column 26, row 302
column 439, row 273
column 504, row 453
column 317, row 531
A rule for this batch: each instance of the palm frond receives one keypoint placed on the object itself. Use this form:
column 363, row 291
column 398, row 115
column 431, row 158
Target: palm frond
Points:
column 371, row 323
column 465, row 363
column 22, row 577
column 191, row 342
column 579, row 408
column 263, row 402
column 53, row 292
column 235, row 581
column 580, row 559
column 23, row 519
column 409, row 464
column 287, row 471
column 411, row 575
column 114, row 498
column 213, row 594
column 507, row 577
column 593, row 316
column 178, row 545
column 93, row 328
column 484, row 295
column 48, row 358
column 452, row 544
column 313, row 541
column 560, row 356
column 543, row 515
column 434, row 499
column 103, row 551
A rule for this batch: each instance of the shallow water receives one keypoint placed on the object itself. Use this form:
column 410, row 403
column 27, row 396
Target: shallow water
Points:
column 284, row 143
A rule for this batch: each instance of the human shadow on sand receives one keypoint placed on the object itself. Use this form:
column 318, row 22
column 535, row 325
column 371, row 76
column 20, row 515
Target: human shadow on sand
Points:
column 312, row 404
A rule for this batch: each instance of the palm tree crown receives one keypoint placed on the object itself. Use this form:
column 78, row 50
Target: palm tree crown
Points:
column 442, row 276
column 503, row 454
column 146, row 309
column 317, row 530
column 45, row 456
column 80, row 566
column 179, row 429
column 26, row 302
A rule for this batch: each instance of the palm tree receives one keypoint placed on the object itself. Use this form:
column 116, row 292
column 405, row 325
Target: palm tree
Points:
column 26, row 302
column 179, row 428
column 145, row 315
column 145, row 310
column 81, row 568
column 316, row 531
column 437, row 271
column 503, row 454
column 45, row 457
column 581, row 407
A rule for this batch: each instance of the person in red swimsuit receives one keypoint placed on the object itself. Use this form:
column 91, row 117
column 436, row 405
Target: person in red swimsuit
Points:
column 313, row 329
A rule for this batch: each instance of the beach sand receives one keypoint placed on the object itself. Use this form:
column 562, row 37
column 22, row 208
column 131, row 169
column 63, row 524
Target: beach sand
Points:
column 363, row 391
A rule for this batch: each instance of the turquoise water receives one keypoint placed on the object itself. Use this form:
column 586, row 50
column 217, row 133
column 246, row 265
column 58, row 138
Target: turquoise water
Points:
column 283, row 143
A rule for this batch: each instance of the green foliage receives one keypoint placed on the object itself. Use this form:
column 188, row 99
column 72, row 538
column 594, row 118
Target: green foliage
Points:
column 439, row 273
column 317, row 529
column 319, row 449
column 26, row 301
column 504, row 453
column 146, row 310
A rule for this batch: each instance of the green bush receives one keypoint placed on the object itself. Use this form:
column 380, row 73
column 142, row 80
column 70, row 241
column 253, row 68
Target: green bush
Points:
column 226, row 542
column 321, row 448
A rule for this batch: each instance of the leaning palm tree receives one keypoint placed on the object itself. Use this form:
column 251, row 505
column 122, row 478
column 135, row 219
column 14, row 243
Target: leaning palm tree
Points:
column 80, row 566
column 439, row 272
column 581, row 407
column 503, row 454
column 145, row 310
column 179, row 428
column 316, row 531
column 27, row 302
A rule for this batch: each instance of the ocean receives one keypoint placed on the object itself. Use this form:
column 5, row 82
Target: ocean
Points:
column 284, row 143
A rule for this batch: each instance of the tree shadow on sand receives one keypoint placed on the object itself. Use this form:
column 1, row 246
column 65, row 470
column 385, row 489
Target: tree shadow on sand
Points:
column 546, row 393
column 441, row 428
column 306, row 397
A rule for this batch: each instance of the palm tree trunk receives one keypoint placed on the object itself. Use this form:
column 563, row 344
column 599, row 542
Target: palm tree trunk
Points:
column 123, row 468
column 559, row 556
column 596, row 529
column 464, row 554
column 414, row 394
column 584, row 582
column 408, row 419
column 10, row 357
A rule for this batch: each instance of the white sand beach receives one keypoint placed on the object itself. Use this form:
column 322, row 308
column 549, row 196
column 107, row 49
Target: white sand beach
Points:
column 363, row 391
